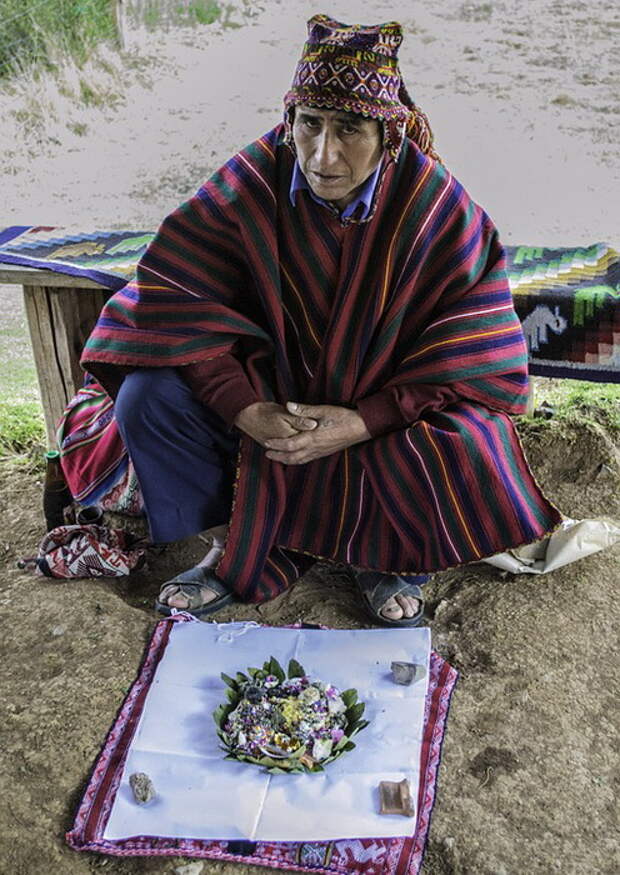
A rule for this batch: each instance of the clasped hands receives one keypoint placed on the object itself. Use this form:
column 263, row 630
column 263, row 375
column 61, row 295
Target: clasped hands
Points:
column 298, row 433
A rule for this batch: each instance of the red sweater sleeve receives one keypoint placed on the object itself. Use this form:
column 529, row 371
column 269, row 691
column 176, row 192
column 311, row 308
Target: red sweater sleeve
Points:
column 221, row 384
column 398, row 406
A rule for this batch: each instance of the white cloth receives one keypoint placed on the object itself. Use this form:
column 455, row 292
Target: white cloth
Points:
column 201, row 795
column 572, row 540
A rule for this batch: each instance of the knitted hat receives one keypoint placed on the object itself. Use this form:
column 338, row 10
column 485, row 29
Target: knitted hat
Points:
column 354, row 68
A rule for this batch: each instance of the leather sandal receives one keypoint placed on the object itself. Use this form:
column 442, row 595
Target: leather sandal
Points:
column 376, row 589
column 189, row 584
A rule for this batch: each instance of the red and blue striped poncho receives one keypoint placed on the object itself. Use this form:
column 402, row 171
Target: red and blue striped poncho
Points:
column 326, row 311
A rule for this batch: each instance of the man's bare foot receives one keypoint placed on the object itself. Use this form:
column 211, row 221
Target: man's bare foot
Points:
column 171, row 595
column 391, row 599
column 400, row 606
column 197, row 590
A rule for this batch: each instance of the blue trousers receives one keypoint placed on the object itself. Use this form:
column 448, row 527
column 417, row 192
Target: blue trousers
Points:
column 183, row 453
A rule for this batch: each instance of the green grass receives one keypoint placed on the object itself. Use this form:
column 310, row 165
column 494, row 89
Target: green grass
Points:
column 156, row 14
column 595, row 402
column 22, row 428
column 36, row 34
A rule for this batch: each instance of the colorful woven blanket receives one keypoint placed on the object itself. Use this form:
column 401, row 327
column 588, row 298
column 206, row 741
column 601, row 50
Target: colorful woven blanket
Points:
column 567, row 298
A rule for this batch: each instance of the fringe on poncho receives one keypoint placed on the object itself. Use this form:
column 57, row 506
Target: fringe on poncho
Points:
column 324, row 311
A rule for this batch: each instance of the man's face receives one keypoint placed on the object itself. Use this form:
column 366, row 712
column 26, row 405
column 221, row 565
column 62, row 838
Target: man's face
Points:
column 337, row 151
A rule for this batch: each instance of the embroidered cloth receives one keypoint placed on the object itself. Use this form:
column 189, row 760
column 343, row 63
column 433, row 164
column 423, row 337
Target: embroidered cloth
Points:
column 107, row 790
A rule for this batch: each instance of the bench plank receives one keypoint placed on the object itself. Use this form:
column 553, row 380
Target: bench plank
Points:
column 59, row 321
column 15, row 274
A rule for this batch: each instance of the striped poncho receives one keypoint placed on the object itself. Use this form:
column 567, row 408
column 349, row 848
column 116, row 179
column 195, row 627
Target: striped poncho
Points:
column 328, row 311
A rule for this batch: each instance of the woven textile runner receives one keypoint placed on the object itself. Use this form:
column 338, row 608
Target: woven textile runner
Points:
column 401, row 856
column 568, row 298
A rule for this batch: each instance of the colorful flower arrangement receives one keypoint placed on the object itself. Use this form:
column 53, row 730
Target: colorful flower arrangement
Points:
column 286, row 722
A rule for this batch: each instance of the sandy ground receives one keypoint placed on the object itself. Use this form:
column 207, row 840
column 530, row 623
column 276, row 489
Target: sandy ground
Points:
column 524, row 100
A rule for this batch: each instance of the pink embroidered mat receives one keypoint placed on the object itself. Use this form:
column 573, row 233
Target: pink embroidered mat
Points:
column 401, row 856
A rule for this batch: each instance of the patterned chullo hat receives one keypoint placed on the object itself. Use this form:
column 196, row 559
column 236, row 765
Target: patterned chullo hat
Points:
column 354, row 68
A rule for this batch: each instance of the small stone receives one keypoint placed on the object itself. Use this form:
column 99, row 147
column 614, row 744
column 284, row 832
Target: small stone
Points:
column 142, row 787
column 57, row 631
column 406, row 673
column 195, row 868
column 544, row 411
column 395, row 798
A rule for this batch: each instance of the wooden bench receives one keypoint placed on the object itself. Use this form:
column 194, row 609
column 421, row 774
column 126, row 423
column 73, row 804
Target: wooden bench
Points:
column 61, row 311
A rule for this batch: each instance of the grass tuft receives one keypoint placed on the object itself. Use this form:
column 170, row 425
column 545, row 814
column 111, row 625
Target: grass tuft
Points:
column 35, row 33
column 22, row 429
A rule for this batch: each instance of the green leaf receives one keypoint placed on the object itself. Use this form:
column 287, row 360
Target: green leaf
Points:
column 276, row 770
column 232, row 696
column 254, row 671
column 295, row 669
column 355, row 712
column 220, row 714
column 229, row 681
column 270, row 761
column 276, row 669
column 296, row 754
column 349, row 697
column 349, row 746
column 241, row 678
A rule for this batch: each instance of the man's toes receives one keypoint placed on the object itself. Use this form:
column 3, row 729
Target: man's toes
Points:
column 392, row 610
column 167, row 592
column 177, row 600
column 172, row 596
column 410, row 605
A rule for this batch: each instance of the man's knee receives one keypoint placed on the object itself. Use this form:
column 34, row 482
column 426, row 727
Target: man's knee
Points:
column 143, row 393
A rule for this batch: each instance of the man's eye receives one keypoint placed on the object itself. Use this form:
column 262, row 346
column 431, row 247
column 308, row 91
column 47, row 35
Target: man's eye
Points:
column 349, row 129
column 311, row 122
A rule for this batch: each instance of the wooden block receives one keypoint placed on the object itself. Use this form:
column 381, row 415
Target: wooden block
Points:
column 531, row 399
column 395, row 798
column 59, row 321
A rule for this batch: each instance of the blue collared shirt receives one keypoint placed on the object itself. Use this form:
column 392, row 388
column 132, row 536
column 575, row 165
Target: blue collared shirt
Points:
column 299, row 183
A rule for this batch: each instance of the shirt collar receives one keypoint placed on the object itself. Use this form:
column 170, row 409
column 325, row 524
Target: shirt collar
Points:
column 365, row 196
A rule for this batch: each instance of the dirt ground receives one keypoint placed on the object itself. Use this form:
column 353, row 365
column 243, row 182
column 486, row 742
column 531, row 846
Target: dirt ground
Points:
column 524, row 100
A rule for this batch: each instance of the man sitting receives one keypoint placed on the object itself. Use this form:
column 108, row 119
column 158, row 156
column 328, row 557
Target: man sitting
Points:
column 320, row 350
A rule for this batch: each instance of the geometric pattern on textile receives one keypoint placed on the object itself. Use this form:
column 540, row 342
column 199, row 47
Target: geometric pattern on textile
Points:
column 351, row 67
column 361, row 856
column 76, row 551
column 93, row 457
column 567, row 298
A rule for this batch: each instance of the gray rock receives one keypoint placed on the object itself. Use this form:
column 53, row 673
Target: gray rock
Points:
column 194, row 868
column 142, row 787
column 407, row 673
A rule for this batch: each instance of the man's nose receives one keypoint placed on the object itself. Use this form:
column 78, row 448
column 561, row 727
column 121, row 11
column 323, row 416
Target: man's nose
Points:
column 327, row 150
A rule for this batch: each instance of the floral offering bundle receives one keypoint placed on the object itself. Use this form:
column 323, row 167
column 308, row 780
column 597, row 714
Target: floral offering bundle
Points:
column 286, row 723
